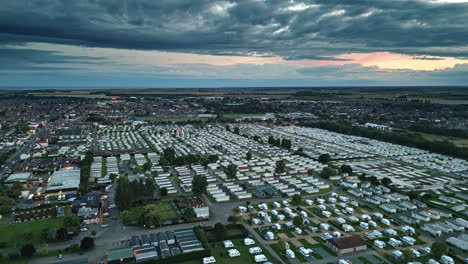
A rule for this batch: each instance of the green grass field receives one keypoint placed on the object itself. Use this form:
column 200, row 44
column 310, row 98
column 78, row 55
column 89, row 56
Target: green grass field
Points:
column 459, row 142
column 10, row 232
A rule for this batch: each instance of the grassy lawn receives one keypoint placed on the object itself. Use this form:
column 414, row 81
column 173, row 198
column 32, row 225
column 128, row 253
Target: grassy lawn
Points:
column 166, row 211
column 9, row 232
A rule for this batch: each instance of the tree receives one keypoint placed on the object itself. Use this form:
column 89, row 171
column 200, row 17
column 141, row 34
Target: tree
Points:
column 213, row 158
column 438, row 249
column 87, row 243
column 231, row 171
column 5, row 204
column 151, row 217
column 189, row 213
column 93, row 233
column 248, row 156
column 296, row 199
column 386, row 181
column 147, row 166
column 45, row 250
column 298, row 220
column 279, row 166
column 27, row 250
column 282, row 245
column 271, row 140
column 286, row 143
column 408, row 255
column 71, row 220
column 163, row 191
column 310, row 172
column 327, row 172
column 232, row 218
column 324, row 158
column 228, row 128
column 199, row 184
column 346, row 169
column 169, row 155
column 237, row 130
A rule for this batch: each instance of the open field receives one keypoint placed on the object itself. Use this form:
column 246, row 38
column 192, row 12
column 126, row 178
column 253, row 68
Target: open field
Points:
column 438, row 95
column 459, row 142
column 10, row 232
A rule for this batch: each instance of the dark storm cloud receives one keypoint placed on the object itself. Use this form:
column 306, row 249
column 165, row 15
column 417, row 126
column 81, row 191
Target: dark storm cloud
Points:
column 29, row 59
column 314, row 29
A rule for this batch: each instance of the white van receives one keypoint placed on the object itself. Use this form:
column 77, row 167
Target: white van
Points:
column 281, row 217
column 326, row 213
column 290, row 254
column 208, row 260
column 260, row 258
column 303, row 214
column 255, row 250
column 364, row 225
column 309, row 202
column 270, row 235
column 233, row 253
column 298, row 231
column 242, row 209
column 248, row 241
column 304, row 252
column 385, row 221
column 285, row 203
column 274, row 212
column 228, row 244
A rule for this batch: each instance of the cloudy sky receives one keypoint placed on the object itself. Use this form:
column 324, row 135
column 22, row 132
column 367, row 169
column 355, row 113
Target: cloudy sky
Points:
column 205, row 43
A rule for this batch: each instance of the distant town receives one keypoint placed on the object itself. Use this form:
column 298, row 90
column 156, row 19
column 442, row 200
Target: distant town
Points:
column 251, row 175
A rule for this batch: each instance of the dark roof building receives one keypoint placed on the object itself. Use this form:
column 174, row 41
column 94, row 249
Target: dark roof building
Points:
column 347, row 244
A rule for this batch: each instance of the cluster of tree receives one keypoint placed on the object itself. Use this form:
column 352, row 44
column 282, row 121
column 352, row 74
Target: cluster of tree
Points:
column 189, row 214
column 431, row 129
column 71, row 220
column 280, row 166
column 397, row 137
column 327, row 172
column 300, row 152
column 87, row 243
column 199, row 184
column 5, row 155
column 95, row 118
column 4, row 126
column 296, row 199
column 346, row 169
column 169, row 158
column 324, row 158
column 151, row 217
column 284, row 143
column 130, row 193
column 85, row 167
column 21, row 128
column 372, row 179
column 231, row 171
column 56, row 234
